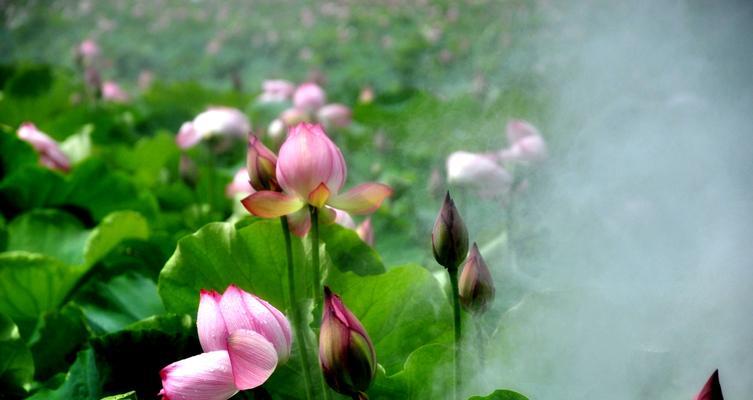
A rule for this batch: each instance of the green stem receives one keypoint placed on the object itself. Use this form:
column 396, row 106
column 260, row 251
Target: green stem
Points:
column 300, row 336
column 316, row 274
column 456, row 314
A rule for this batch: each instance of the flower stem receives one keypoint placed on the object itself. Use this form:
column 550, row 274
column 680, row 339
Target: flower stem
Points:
column 300, row 336
column 456, row 314
column 316, row 274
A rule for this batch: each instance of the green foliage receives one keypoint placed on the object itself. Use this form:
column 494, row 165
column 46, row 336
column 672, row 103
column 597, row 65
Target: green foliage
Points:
column 16, row 363
column 501, row 395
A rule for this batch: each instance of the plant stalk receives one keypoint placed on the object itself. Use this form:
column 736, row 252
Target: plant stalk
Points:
column 300, row 336
column 316, row 274
column 456, row 315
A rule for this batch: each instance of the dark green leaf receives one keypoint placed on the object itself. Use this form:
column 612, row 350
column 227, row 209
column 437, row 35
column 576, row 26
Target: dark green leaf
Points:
column 82, row 381
column 501, row 395
column 50, row 232
column 346, row 251
column 16, row 363
column 56, row 341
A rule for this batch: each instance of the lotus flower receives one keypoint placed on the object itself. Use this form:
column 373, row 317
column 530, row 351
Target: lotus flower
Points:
column 526, row 143
column 346, row 354
column 476, row 284
column 478, row 171
column 311, row 171
column 216, row 121
column 334, row 115
column 48, row 149
column 111, row 91
column 712, row 390
column 309, row 97
column 276, row 90
column 449, row 238
column 244, row 338
column 261, row 163
column 86, row 52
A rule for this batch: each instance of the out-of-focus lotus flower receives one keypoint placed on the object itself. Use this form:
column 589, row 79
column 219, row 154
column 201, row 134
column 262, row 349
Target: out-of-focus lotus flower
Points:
column 366, row 96
column 344, row 219
column 48, row 149
column 276, row 131
column 334, row 115
column 366, row 232
column 311, row 171
column 216, row 121
column 476, row 284
column 111, row 91
column 309, row 97
column 449, row 238
column 712, row 390
column 526, row 143
column 239, row 185
column 261, row 165
column 87, row 52
column 293, row 116
column 276, row 90
column 244, row 338
column 479, row 171
column 346, row 353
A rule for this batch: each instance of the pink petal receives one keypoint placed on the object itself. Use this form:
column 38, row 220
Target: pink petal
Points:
column 207, row 376
column 366, row 232
column 362, row 199
column 344, row 219
column 518, row 129
column 209, row 322
column 319, row 196
column 309, row 96
column 300, row 222
column 268, row 204
column 187, row 136
column 252, row 357
column 242, row 310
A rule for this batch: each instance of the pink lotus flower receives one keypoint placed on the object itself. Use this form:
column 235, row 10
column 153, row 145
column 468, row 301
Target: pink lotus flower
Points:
column 216, row 121
column 526, row 143
column 239, row 185
column 276, row 90
column 478, row 171
column 712, row 390
column 111, row 91
column 244, row 338
column 366, row 232
column 309, row 97
column 261, row 165
column 334, row 116
column 87, row 51
column 48, row 149
column 311, row 171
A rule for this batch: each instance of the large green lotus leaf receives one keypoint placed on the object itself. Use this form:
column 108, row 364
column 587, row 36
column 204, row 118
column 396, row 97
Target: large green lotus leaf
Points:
column 51, row 232
column 16, row 363
column 348, row 252
column 113, row 229
column 252, row 257
column 427, row 374
column 402, row 310
column 16, row 153
column 501, row 395
column 56, row 341
column 148, row 157
column 82, row 381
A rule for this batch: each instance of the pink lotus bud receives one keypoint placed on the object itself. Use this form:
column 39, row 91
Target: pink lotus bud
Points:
column 294, row 116
column 366, row 232
column 334, row 115
column 87, row 51
column 449, row 238
column 261, row 165
column 239, row 185
column 207, row 376
column 346, row 353
column 344, row 219
column 276, row 90
column 48, row 149
column 111, row 91
column 712, row 390
column 518, row 129
column 479, row 171
column 476, row 284
column 216, row 121
column 309, row 97
column 210, row 323
column 526, row 143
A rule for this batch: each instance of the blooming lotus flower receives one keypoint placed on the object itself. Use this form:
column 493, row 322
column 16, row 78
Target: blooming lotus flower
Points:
column 712, row 390
column 216, row 121
column 449, row 238
column 239, row 185
column 334, row 115
column 526, row 143
column 111, row 91
column 244, row 338
column 48, row 149
column 276, row 90
column 309, row 97
column 479, row 171
column 366, row 232
column 311, row 171
column 476, row 284
column 346, row 353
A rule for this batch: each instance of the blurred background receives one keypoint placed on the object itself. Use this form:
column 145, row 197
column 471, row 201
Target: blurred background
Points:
column 623, row 271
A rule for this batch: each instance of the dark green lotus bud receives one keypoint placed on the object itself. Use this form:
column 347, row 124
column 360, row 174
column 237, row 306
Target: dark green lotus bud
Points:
column 346, row 354
column 449, row 238
column 476, row 284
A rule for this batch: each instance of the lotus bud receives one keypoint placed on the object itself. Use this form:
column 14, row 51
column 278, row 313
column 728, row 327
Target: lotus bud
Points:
column 111, row 91
column 518, row 129
column 712, row 390
column 366, row 96
column 50, row 154
column 449, row 238
column 334, row 116
column 478, row 171
column 222, row 121
column 346, row 353
column 261, row 165
column 526, row 143
column 366, row 232
column 276, row 90
column 87, row 52
column 309, row 97
column 476, row 284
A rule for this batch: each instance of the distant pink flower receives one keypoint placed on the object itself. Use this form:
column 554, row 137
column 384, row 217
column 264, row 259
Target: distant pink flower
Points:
column 87, row 51
column 311, row 170
column 244, row 339
column 712, row 390
column 276, row 90
column 334, row 115
column 526, row 143
column 239, row 185
column 216, row 121
column 48, row 149
column 366, row 232
column 309, row 97
column 111, row 91
column 479, row 171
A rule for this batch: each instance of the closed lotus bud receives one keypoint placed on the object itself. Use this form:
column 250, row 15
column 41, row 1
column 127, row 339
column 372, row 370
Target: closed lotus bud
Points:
column 261, row 165
column 216, row 121
column 87, row 52
column 276, row 90
column 334, row 116
column 449, row 238
column 50, row 154
column 712, row 390
column 526, row 143
column 476, row 284
column 309, row 97
column 366, row 232
column 478, row 171
column 111, row 91
column 346, row 354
